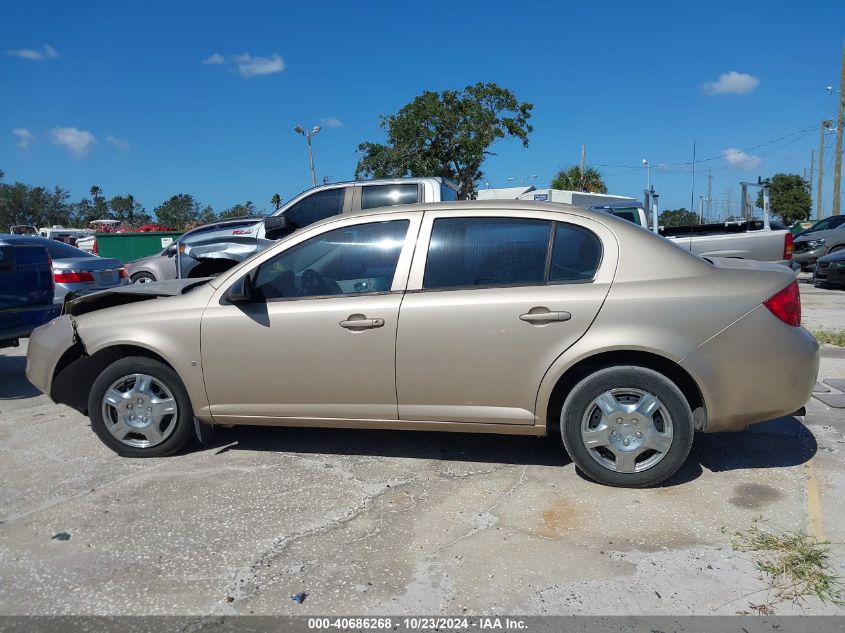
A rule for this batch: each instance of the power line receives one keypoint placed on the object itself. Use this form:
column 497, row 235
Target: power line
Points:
column 663, row 166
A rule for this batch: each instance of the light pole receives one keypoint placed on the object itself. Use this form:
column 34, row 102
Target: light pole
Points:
column 647, row 174
column 826, row 124
column 522, row 179
column 840, row 123
column 308, row 134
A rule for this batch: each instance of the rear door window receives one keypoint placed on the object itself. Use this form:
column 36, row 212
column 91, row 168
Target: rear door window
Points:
column 484, row 252
column 318, row 206
column 373, row 196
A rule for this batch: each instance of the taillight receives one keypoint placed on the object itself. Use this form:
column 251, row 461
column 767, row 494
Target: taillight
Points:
column 788, row 245
column 786, row 305
column 94, row 248
column 121, row 272
column 71, row 276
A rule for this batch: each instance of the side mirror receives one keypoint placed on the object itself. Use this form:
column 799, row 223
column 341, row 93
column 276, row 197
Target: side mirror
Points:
column 243, row 290
column 170, row 251
column 277, row 226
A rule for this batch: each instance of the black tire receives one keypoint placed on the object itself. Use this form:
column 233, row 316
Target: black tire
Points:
column 181, row 434
column 142, row 277
column 579, row 400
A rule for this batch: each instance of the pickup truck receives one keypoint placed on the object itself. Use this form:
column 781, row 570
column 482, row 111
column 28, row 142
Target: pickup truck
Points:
column 26, row 290
column 214, row 252
column 743, row 239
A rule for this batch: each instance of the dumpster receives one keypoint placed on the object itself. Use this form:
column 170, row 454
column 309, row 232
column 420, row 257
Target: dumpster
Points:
column 130, row 246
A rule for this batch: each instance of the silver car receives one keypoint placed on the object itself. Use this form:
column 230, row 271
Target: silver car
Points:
column 75, row 271
column 485, row 317
column 163, row 265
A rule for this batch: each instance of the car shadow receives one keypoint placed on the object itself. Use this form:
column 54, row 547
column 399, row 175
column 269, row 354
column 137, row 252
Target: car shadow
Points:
column 778, row 443
column 13, row 382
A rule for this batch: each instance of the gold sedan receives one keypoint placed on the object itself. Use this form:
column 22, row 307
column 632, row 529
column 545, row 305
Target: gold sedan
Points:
column 485, row 317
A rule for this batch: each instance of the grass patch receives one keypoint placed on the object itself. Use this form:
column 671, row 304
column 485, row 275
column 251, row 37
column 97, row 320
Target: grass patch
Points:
column 834, row 337
column 796, row 565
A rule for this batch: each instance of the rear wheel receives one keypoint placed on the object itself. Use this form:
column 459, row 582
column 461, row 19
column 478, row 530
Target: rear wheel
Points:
column 139, row 407
column 627, row 426
column 142, row 278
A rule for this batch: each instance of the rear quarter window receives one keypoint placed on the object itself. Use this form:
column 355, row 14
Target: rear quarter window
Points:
column 373, row 196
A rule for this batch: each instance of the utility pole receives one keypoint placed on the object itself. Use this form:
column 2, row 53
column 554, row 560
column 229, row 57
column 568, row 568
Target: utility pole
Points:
column 710, row 194
column 692, row 187
column 825, row 124
column 583, row 165
column 812, row 168
column 840, row 122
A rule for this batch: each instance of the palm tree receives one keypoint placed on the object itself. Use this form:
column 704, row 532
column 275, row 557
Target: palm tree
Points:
column 276, row 201
column 571, row 179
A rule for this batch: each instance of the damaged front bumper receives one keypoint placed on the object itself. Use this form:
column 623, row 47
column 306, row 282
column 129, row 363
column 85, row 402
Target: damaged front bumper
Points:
column 47, row 345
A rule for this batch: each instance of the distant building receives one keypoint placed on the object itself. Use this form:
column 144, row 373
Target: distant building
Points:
column 506, row 193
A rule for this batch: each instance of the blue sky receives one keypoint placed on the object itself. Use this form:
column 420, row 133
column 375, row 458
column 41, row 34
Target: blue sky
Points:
column 117, row 94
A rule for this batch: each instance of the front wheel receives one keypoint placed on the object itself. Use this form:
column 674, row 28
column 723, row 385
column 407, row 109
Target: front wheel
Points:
column 627, row 426
column 139, row 407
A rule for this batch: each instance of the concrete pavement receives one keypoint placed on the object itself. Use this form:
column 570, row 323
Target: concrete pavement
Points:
column 371, row 522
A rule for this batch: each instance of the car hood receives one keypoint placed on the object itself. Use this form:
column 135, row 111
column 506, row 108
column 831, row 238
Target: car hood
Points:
column 121, row 295
column 838, row 256
column 809, row 237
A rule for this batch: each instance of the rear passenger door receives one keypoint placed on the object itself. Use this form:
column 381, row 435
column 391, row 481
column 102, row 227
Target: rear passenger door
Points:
column 493, row 299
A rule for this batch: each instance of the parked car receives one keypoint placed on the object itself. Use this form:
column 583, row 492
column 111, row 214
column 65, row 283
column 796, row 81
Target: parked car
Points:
column 743, row 239
column 485, row 317
column 830, row 269
column 216, row 251
column 811, row 246
column 76, row 272
column 163, row 265
column 825, row 224
column 26, row 290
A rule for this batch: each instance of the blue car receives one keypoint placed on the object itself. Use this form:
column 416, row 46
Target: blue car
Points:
column 26, row 290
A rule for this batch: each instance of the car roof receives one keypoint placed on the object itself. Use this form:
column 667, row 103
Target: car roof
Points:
column 462, row 206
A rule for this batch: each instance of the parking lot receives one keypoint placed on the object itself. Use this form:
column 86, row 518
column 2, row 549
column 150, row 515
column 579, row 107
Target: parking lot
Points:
column 401, row 522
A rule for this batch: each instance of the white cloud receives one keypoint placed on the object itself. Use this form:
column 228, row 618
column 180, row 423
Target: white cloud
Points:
column 77, row 142
column 738, row 159
column 25, row 137
column 331, row 121
column 732, row 83
column 249, row 66
column 28, row 53
column 214, row 60
column 119, row 143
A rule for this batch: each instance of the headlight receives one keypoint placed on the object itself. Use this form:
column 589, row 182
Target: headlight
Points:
column 815, row 243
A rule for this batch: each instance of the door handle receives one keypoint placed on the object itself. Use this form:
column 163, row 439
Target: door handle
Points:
column 545, row 316
column 360, row 322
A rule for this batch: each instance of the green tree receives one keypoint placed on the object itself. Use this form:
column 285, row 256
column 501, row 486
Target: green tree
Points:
column 239, row 210
column 677, row 217
column 182, row 211
column 126, row 209
column 446, row 134
column 36, row 206
column 571, row 179
column 789, row 197
column 101, row 206
column 276, row 201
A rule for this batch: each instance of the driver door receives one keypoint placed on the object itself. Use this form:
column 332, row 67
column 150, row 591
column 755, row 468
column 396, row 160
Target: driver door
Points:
column 319, row 342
